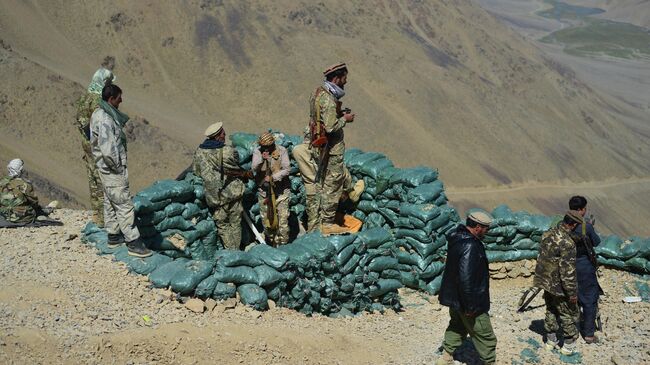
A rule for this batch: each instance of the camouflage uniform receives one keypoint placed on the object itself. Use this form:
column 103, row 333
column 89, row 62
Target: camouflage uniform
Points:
column 86, row 105
column 326, row 109
column 307, row 166
column 223, row 193
column 280, row 168
column 18, row 204
column 108, row 144
column 556, row 274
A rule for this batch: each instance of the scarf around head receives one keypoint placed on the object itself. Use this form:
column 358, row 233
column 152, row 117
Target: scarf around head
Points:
column 101, row 78
column 15, row 167
column 117, row 115
column 334, row 89
column 211, row 144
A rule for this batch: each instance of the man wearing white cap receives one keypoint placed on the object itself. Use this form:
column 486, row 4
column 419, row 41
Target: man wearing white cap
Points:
column 18, row 204
column 327, row 120
column 465, row 290
column 218, row 166
column 86, row 105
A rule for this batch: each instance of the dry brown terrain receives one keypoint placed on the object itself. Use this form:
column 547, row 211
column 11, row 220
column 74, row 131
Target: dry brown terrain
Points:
column 60, row 303
column 441, row 84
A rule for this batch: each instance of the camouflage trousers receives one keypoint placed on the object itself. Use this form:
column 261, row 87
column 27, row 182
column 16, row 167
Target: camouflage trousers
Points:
column 281, row 235
column 118, row 207
column 333, row 187
column 227, row 217
column 559, row 308
column 95, row 188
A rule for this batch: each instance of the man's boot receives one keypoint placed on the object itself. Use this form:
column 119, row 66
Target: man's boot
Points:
column 569, row 347
column 138, row 249
column 115, row 240
column 551, row 341
column 445, row 359
column 331, row 228
column 357, row 190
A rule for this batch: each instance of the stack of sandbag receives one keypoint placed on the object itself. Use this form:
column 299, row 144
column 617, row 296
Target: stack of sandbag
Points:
column 173, row 218
column 632, row 254
column 514, row 236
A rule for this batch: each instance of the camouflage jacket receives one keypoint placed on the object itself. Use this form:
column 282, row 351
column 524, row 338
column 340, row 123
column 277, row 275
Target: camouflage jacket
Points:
column 325, row 109
column 556, row 264
column 108, row 143
column 211, row 165
column 86, row 105
column 18, row 203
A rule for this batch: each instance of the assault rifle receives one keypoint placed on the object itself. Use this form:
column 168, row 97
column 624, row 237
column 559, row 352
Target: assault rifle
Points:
column 271, row 212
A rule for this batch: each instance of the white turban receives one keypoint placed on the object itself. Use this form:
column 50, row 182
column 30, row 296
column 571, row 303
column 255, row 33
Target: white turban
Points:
column 15, row 167
column 101, row 78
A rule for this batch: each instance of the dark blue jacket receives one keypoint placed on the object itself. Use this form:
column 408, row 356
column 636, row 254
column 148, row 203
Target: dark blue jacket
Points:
column 590, row 232
column 466, row 280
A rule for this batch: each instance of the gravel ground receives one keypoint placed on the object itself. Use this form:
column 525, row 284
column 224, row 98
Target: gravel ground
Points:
column 60, row 303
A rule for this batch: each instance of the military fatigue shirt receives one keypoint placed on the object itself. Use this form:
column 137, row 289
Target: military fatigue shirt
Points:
column 326, row 109
column 108, row 143
column 86, row 105
column 219, row 189
column 556, row 264
column 17, row 200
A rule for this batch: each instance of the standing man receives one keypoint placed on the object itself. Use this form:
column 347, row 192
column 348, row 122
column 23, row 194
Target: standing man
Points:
column 308, row 168
column 465, row 290
column 327, row 120
column 556, row 274
column 271, row 167
column 589, row 290
column 86, row 105
column 108, row 144
column 218, row 166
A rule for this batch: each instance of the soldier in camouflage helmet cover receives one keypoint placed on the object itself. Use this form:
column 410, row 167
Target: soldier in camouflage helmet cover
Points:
column 218, row 165
column 18, row 204
column 556, row 274
column 86, row 105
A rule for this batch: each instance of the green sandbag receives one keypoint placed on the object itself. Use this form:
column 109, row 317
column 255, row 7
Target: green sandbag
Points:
column 345, row 255
column 350, row 265
column 391, row 274
column 423, row 212
column 409, row 279
column 434, row 269
column 175, row 254
column 637, row 264
column 267, row 275
column 375, row 168
column 174, row 209
column 610, row 247
column 414, row 176
column 176, row 222
column 349, row 153
column 426, row 193
column 447, row 214
column 503, row 256
column 611, row 262
column 150, row 219
column 341, row 241
column 355, row 163
column 416, row 234
column 224, row 291
column 198, row 231
column 404, row 222
column 247, row 141
column 506, row 232
column 383, row 263
column 525, row 244
column 190, row 275
column 375, row 237
column 374, row 220
column 205, row 248
column 147, row 265
column 384, row 286
column 367, row 206
column 434, row 286
column 143, row 206
column 199, row 192
column 230, row 258
column 254, row 296
column 168, row 189
column 191, row 210
column 424, row 249
column 316, row 245
column 406, row 258
column 390, row 216
column 273, row 257
column 441, row 199
column 236, row 274
column 163, row 274
column 502, row 212
column 633, row 247
column 206, row 287
column 298, row 255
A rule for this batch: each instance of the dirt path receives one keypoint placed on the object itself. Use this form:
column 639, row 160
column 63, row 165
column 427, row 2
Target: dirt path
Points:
column 60, row 303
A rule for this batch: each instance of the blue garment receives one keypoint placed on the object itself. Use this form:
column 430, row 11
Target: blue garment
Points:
column 211, row 144
column 588, row 293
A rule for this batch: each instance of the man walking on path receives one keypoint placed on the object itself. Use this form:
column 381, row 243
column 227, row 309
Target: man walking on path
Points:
column 218, row 166
column 556, row 274
column 586, row 239
column 108, row 144
column 327, row 120
column 465, row 290
column 86, row 105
